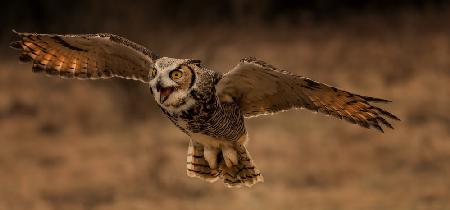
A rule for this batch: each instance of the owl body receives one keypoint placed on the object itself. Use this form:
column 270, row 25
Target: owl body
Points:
column 208, row 106
column 216, row 128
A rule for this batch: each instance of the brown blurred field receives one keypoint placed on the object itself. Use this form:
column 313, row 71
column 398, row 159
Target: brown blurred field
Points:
column 94, row 145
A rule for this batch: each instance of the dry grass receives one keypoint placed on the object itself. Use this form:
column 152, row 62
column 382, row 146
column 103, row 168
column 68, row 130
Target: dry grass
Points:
column 105, row 145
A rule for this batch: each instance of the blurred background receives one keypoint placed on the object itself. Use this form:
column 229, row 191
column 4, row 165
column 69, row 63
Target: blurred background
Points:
column 69, row 144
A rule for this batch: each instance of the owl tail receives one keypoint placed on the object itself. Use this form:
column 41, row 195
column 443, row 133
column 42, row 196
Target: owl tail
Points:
column 244, row 173
column 197, row 166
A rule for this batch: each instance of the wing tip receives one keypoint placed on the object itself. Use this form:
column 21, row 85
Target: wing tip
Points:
column 378, row 123
column 379, row 128
column 376, row 100
column 17, row 45
column 16, row 33
column 382, row 121
column 387, row 114
column 16, row 40
column 369, row 99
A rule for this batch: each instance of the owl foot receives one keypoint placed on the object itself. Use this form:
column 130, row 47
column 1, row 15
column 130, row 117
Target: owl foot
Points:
column 230, row 156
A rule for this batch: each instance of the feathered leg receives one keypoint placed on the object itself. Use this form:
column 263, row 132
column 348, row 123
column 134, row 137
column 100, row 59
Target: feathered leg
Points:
column 197, row 164
column 237, row 167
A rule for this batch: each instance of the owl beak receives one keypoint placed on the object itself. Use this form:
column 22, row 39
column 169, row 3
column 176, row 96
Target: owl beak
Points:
column 164, row 93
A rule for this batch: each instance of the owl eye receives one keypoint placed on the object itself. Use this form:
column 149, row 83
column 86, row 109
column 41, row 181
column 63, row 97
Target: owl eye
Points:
column 176, row 74
column 154, row 71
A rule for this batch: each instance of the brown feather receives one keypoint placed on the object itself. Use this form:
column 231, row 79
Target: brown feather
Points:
column 260, row 88
column 89, row 56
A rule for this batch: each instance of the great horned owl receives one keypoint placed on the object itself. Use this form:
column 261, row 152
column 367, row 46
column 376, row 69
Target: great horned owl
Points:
column 208, row 106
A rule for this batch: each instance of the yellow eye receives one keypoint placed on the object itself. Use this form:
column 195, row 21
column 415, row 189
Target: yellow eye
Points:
column 154, row 72
column 176, row 74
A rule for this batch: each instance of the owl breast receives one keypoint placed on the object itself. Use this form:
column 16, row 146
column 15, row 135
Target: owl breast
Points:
column 211, row 118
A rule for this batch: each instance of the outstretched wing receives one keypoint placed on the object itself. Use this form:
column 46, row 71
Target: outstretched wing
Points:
column 87, row 56
column 260, row 88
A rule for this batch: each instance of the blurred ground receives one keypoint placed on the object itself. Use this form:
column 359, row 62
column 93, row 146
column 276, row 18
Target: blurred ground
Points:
column 68, row 144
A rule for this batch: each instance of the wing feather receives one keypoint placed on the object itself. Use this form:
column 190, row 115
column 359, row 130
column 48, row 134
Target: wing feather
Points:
column 88, row 56
column 260, row 88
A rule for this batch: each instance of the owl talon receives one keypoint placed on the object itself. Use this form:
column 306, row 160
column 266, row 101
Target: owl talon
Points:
column 230, row 156
column 210, row 154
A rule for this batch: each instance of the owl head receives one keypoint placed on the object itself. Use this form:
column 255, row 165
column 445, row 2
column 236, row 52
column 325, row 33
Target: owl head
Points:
column 171, row 81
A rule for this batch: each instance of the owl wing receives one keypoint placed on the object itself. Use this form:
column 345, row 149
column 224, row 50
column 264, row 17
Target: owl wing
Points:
column 87, row 56
column 259, row 88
